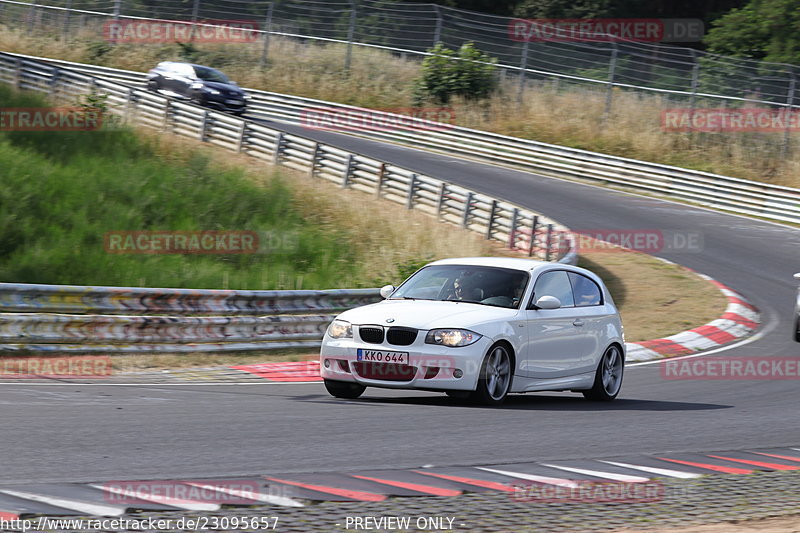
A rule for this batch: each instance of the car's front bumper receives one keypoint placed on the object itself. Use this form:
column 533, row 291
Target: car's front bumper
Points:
column 435, row 366
column 230, row 104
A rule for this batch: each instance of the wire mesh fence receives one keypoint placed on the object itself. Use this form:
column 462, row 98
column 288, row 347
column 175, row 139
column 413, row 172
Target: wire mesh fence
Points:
column 412, row 28
column 678, row 77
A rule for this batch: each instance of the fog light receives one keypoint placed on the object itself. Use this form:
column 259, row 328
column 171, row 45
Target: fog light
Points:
column 457, row 373
column 431, row 372
column 327, row 363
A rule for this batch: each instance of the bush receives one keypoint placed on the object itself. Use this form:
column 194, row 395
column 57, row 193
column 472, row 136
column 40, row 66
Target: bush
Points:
column 468, row 73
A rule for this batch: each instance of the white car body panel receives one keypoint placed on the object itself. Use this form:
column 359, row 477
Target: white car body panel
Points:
column 551, row 351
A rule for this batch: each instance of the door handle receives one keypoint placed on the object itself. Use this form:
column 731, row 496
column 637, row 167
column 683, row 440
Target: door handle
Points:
column 578, row 323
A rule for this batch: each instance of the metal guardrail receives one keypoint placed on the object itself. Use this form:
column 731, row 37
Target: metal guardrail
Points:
column 722, row 192
column 30, row 322
column 133, row 320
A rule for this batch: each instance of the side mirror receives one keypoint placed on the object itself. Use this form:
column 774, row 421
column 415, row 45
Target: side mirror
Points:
column 797, row 276
column 387, row 291
column 547, row 302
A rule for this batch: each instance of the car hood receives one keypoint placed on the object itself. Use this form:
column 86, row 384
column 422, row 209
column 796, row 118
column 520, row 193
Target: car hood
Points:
column 422, row 314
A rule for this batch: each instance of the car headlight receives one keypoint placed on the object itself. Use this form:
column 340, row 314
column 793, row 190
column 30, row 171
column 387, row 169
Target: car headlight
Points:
column 452, row 337
column 212, row 91
column 339, row 329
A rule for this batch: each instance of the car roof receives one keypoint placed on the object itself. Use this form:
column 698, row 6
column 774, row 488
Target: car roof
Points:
column 516, row 263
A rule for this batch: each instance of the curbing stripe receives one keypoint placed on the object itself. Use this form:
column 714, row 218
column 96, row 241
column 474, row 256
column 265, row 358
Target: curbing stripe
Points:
column 716, row 468
column 425, row 489
column 623, row 478
column 740, row 319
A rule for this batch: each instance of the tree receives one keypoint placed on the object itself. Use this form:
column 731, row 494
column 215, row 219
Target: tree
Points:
column 763, row 29
column 469, row 73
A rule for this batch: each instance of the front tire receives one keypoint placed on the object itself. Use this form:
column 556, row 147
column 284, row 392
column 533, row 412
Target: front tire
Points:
column 341, row 389
column 494, row 381
column 608, row 377
column 797, row 329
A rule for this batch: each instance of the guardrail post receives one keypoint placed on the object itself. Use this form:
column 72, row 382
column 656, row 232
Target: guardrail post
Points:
column 276, row 157
column 437, row 32
column 117, row 8
column 351, row 30
column 53, row 83
column 467, row 209
column 492, row 213
column 612, row 71
column 18, row 73
column 267, row 31
column 130, row 105
column 549, row 242
column 65, row 29
column 242, row 135
column 203, row 126
column 314, row 160
column 348, row 168
column 442, row 198
column 532, row 240
column 167, row 112
column 512, row 234
column 523, row 66
column 412, row 188
column 381, row 179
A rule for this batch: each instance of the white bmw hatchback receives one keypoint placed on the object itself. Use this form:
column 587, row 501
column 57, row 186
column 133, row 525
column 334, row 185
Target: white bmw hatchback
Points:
column 481, row 327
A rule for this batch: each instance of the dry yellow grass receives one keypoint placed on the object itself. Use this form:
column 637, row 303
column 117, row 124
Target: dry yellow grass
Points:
column 567, row 116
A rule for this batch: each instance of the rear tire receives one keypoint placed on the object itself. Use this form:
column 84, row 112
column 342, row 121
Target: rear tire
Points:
column 494, row 381
column 341, row 389
column 608, row 377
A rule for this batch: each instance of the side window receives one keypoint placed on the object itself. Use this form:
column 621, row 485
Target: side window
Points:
column 585, row 290
column 554, row 283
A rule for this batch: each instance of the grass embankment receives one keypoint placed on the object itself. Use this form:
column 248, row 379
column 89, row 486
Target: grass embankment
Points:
column 562, row 115
column 61, row 193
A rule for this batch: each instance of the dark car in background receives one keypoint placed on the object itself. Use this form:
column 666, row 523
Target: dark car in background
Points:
column 202, row 85
column 797, row 311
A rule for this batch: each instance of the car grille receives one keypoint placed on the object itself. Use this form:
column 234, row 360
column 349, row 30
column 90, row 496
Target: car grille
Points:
column 371, row 334
column 384, row 371
column 400, row 336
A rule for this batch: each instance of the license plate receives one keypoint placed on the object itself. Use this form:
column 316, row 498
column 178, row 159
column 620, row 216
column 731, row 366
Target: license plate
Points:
column 380, row 356
column 235, row 102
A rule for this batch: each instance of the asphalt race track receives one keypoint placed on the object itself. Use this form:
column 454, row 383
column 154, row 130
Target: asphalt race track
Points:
column 64, row 432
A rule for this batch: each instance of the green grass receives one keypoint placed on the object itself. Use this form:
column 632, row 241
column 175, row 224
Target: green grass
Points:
column 61, row 192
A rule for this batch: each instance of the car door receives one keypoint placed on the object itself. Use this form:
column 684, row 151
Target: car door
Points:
column 591, row 319
column 184, row 78
column 167, row 77
column 555, row 347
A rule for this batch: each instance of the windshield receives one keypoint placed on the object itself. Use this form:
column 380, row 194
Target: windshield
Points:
column 499, row 287
column 209, row 74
